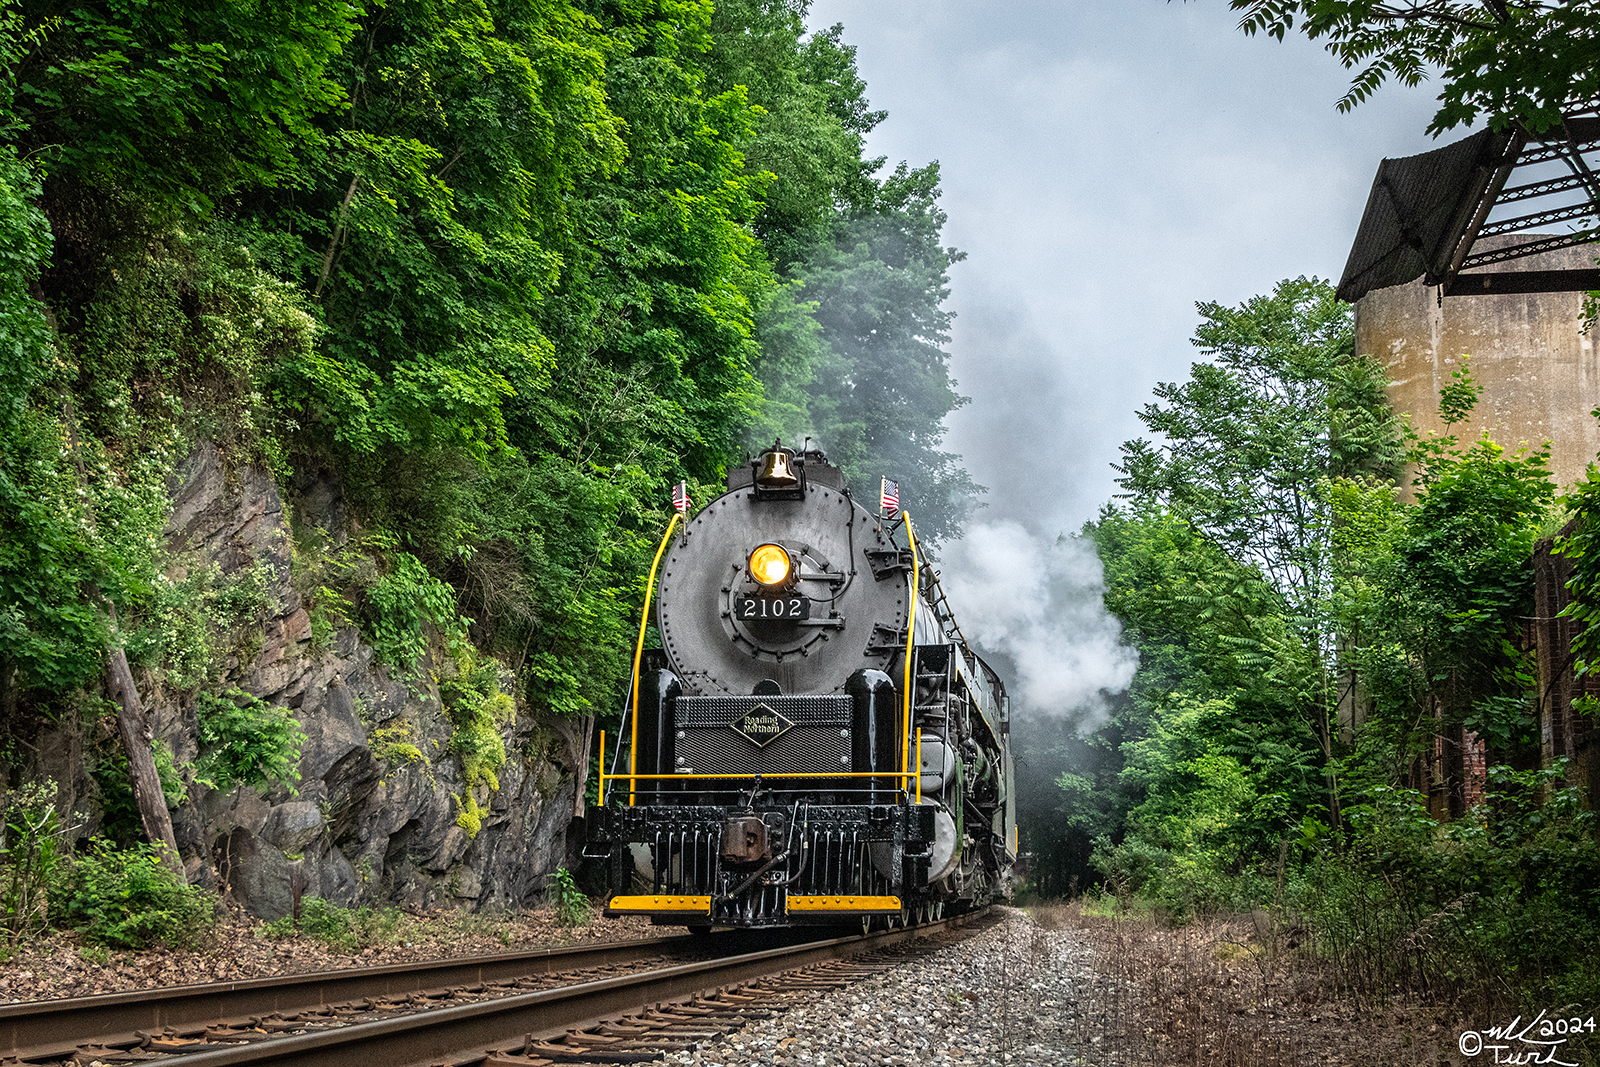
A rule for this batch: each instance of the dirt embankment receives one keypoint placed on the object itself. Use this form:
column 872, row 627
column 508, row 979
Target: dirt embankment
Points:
column 1252, row 991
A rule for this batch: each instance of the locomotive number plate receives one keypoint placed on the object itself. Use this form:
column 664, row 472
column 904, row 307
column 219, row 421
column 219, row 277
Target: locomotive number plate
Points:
column 767, row 608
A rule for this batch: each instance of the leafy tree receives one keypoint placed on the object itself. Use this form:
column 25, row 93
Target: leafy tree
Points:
column 652, row 334
column 1213, row 700
column 1221, row 566
column 177, row 103
column 1504, row 60
column 1431, row 594
column 852, row 336
column 879, row 397
column 813, row 118
column 423, row 222
column 1249, row 445
column 1247, row 442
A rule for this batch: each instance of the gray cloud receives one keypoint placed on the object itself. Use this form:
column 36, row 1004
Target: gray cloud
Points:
column 1106, row 164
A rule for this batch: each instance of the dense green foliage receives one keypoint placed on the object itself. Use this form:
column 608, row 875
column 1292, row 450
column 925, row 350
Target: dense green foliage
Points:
column 1318, row 650
column 507, row 270
column 244, row 741
column 1250, row 446
column 127, row 898
column 1432, row 594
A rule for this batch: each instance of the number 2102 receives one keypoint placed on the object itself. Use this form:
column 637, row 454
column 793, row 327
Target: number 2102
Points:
column 772, row 608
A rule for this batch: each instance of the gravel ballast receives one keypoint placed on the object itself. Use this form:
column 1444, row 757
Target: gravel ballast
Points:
column 1010, row 994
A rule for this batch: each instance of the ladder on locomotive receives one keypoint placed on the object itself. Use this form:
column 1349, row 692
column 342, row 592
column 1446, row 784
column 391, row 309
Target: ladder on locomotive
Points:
column 940, row 693
column 940, row 696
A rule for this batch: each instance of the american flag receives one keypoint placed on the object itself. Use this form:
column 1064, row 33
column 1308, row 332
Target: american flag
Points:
column 680, row 498
column 889, row 500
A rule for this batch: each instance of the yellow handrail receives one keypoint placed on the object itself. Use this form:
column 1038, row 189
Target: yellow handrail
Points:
column 601, row 799
column 911, row 631
column 638, row 651
column 755, row 774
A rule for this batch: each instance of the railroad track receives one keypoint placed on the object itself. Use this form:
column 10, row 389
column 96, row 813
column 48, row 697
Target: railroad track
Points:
column 50, row 1030
column 476, row 1015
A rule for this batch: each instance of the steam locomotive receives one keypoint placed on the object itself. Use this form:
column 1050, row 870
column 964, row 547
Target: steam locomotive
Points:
column 815, row 743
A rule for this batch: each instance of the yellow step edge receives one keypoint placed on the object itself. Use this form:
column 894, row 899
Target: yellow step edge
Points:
column 797, row 903
column 660, row 903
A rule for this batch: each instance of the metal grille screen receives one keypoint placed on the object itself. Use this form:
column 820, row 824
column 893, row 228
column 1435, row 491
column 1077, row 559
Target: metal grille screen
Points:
column 818, row 742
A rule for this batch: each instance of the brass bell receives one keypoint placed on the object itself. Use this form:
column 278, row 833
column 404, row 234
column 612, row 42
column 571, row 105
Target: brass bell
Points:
column 776, row 471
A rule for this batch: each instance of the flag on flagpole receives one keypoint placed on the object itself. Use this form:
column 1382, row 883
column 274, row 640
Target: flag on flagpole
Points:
column 680, row 498
column 889, row 499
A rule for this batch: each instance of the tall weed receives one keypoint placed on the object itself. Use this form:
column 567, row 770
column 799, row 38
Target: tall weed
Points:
column 29, row 856
column 572, row 906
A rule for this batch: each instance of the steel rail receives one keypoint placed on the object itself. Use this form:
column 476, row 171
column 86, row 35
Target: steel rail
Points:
column 463, row 1033
column 44, row 1027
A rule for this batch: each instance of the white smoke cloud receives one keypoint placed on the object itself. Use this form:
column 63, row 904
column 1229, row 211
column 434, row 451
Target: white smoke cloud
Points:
column 1040, row 604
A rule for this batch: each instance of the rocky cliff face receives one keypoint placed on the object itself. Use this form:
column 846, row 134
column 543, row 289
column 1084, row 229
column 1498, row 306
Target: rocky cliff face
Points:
column 363, row 825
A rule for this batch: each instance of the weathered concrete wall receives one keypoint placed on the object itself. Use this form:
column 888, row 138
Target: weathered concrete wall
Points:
column 1538, row 370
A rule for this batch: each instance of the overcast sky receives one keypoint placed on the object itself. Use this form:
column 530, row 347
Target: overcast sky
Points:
column 1106, row 164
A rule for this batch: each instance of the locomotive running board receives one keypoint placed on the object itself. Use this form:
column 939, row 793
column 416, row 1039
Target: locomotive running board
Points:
column 846, row 905
column 653, row 904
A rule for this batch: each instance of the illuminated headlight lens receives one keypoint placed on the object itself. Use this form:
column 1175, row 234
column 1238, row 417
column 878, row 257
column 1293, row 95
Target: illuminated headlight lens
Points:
column 769, row 564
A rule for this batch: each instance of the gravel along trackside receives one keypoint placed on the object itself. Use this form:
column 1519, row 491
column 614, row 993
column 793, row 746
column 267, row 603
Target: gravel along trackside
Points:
column 1014, row 993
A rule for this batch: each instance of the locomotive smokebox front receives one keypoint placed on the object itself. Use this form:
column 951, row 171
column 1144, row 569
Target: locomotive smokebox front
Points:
column 781, row 588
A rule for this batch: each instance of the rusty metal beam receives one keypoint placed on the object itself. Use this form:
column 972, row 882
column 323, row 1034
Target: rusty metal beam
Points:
column 1497, row 283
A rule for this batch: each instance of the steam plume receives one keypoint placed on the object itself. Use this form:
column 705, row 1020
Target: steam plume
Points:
column 1040, row 605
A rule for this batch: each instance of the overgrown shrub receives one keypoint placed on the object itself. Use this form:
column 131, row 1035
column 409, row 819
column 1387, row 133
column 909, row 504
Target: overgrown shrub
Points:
column 1492, row 912
column 184, row 623
column 1194, row 883
column 342, row 929
column 127, row 898
column 400, row 603
column 1496, row 909
column 246, row 741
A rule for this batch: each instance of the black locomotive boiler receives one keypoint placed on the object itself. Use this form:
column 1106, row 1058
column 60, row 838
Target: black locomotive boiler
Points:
column 815, row 742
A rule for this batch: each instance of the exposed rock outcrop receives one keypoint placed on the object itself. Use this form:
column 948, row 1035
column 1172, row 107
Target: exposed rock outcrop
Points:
column 363, row 828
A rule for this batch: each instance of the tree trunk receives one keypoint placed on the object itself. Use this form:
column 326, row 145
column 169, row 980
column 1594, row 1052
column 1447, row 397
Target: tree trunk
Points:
column 141, row 764
column 587, row 736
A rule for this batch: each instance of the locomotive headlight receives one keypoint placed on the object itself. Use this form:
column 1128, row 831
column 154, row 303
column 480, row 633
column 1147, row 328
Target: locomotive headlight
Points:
column 770, row 564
